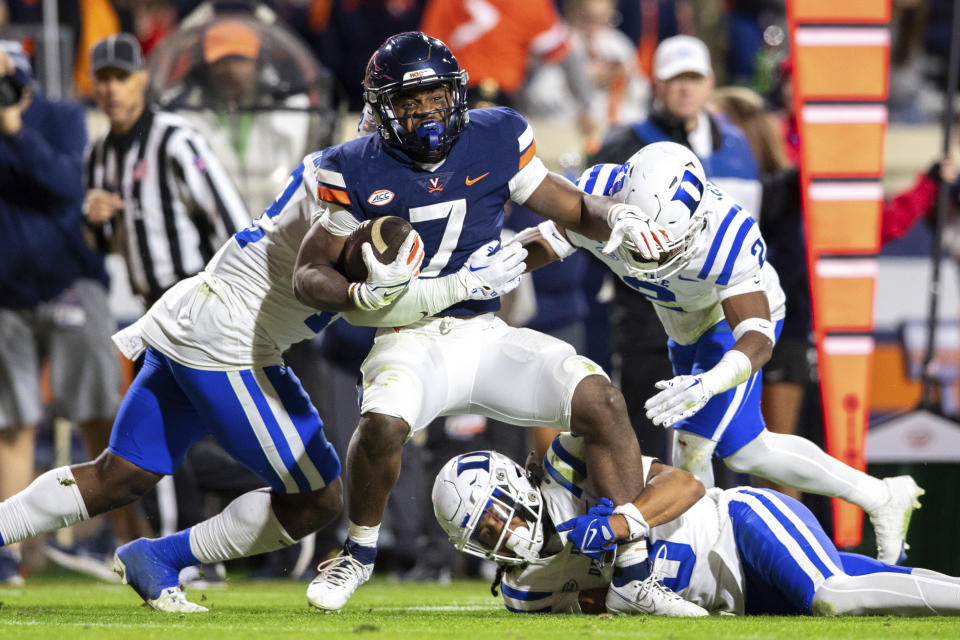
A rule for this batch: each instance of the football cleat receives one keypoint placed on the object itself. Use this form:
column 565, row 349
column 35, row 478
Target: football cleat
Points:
column 651, row 597
column 890, row 521
column 336, row 580
column 155, row 581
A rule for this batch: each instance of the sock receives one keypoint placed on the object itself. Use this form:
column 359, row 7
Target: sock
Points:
column 903, row 594
column 246, row 527
column 175, row 549
column 632, row 563
column 362, row 542
column 796, row 462
column 52, row 501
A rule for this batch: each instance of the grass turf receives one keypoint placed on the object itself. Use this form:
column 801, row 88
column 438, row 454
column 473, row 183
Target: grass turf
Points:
column 73, row 609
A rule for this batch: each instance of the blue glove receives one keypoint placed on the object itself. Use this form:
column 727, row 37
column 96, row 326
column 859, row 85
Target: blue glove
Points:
column 592, row 533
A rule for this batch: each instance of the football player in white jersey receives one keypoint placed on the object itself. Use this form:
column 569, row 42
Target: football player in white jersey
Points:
column 721, row 305
column 212, row 348
column 739, row 551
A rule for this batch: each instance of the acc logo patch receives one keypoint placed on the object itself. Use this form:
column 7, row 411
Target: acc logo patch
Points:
column 380, row 197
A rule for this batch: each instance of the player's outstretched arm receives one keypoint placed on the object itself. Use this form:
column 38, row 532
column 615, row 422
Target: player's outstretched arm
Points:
column 598, row 217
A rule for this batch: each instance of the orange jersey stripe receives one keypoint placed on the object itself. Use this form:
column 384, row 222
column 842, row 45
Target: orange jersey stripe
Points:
column 333, row 195
column 528, row 154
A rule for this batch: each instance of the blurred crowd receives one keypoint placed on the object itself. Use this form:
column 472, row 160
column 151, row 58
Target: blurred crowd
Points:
column 232, row 94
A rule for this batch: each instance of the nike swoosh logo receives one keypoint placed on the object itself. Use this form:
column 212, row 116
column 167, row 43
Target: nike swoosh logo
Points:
column 680, row 277
column 477, row 268
column 591, row 535
column 470, row 182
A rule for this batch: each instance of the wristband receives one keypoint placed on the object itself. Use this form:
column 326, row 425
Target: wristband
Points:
column 760, row 325
column 556, row 239
column 638, row 526
column 733, row 369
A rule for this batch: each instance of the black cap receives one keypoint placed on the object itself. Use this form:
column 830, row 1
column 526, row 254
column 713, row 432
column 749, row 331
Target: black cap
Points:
column 121, row 51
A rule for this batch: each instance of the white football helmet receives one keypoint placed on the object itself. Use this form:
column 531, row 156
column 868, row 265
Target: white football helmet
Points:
column 476, row 497
column 667, row 181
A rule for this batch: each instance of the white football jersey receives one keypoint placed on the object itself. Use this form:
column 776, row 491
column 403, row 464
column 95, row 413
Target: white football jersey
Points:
column 241, row 310
column 730, row 260
column 697, row 552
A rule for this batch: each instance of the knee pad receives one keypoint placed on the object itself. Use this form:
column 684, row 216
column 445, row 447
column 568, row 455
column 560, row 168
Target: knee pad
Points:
column 692, row 452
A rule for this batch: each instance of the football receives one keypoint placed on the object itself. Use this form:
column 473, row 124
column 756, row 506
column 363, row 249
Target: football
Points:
column 385, row 236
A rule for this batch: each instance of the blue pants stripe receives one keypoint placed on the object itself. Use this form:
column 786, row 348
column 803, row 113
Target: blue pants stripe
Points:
column 273, row 428
column 785, row 553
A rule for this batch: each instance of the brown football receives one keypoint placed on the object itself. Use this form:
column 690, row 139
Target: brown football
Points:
column 385, row 236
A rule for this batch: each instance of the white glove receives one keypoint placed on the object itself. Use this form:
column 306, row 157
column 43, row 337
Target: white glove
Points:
column 387, row 281
column 492, row 271
column 648, row 237
column 681, row 397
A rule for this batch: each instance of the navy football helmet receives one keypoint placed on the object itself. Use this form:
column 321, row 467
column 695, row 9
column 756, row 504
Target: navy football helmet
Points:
column 412, row 60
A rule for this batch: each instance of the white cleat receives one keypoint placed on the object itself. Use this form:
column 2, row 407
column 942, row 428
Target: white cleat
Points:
column 174, row 600
column 891, row 520
column 336, row 580
column 170, row 600
column 651, row 597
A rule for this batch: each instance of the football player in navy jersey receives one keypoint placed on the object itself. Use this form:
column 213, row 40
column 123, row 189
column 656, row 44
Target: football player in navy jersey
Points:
column 449, row 172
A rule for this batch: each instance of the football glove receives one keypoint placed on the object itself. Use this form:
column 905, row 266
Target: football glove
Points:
column 492, row 271
column 680, row 398
column 629, row 223
column 592, row 533
column 387, row 281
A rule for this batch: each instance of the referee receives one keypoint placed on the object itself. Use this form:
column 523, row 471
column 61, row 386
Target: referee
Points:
column 155, row 192
column 158, row 195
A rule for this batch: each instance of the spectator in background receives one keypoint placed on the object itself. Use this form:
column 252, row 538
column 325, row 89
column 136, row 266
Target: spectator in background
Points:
column 619, row 90
column 343, row 33
column 257, row 123
column 496, row 42
column 683, row 84
column 53, row 288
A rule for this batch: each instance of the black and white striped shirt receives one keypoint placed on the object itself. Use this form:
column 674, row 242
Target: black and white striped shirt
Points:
column 180, row 204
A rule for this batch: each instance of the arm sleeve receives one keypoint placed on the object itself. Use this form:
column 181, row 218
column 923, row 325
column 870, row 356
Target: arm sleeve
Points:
column 53, row 157
column 209, row 187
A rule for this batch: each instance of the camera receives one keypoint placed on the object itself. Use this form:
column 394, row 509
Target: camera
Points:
column 11, row 90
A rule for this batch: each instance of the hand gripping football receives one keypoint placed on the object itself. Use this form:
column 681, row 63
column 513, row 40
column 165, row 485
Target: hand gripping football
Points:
column 385, row 235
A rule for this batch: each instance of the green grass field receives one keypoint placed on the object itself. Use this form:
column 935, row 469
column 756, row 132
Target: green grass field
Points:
column 67, row 608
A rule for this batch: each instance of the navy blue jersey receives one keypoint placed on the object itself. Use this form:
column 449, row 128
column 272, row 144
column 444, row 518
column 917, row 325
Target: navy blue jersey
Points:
column 456, row 208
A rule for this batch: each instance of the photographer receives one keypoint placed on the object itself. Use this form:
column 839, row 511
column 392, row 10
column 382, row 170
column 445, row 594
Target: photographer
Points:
column 53, row 288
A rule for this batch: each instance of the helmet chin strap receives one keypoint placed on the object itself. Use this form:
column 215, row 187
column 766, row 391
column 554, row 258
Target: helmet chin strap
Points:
column 430, row 132
column 521, row 543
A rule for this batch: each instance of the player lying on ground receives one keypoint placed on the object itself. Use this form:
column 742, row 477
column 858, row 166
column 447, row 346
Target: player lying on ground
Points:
column 722, row 308
column 212, row 350
column 743, row 550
